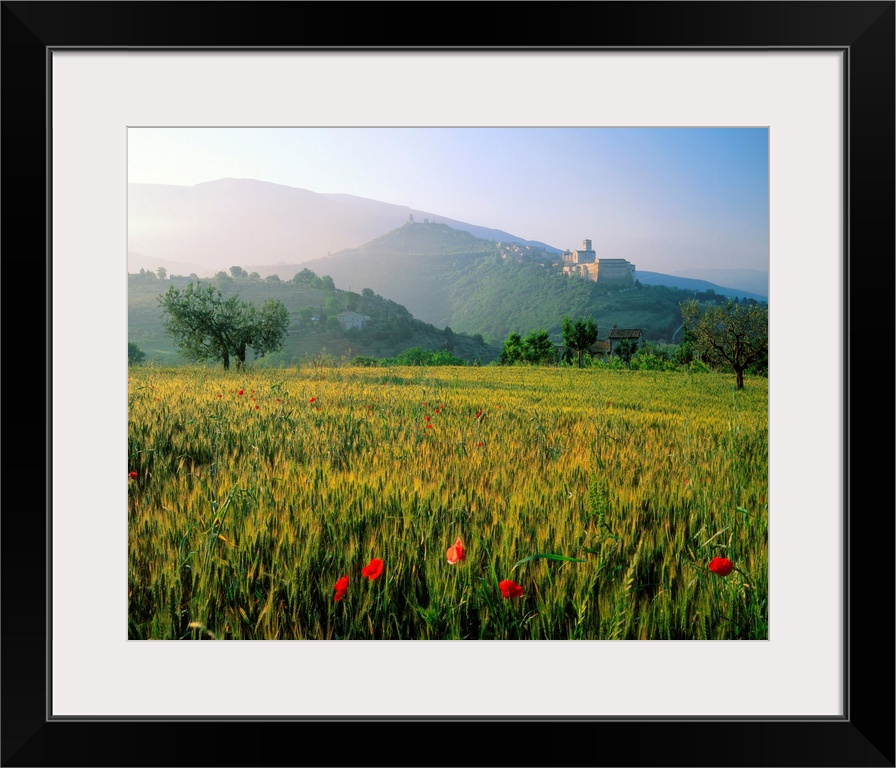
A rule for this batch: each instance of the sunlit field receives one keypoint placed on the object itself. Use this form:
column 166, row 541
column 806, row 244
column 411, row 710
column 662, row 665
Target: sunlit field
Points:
column 589, row 504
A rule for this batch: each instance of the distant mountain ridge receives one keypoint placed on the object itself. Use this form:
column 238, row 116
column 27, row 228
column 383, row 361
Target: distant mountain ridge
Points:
column 274, row 229
column 228, row 222
column 691, row 284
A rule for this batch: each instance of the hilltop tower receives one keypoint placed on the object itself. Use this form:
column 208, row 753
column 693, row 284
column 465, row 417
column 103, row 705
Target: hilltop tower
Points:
column 585, row 255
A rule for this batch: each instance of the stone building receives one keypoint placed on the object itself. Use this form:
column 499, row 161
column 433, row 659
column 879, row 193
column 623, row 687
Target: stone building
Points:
column 585, row 255
column 585, row 264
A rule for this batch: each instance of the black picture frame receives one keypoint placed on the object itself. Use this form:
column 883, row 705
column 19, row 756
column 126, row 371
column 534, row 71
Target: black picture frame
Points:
column 864, row 736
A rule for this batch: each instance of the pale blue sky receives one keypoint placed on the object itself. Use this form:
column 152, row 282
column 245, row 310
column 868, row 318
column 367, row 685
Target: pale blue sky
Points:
column 666, row 199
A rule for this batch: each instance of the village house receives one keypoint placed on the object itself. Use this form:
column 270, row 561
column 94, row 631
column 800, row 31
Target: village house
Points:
column 603, row 350
column 348, row 320
column 619, row 334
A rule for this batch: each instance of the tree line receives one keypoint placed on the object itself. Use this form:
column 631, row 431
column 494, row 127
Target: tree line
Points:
column 733, row 334
column 205, row 326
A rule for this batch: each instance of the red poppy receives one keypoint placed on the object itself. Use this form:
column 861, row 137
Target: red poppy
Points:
column 341, row 588
column 457, row 552
column 428, row 426
column 133, row 475
column 373, row 569
column 240, row 392
column 312, row 399
column 478, row 414
column 426, row 418
column 480, row 443
column 256, row 407
column 721, row 566
column 510, row 589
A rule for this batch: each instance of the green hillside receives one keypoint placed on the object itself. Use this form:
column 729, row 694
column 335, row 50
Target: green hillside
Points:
column 449, row 277
column 313, row 303
column 423, row 285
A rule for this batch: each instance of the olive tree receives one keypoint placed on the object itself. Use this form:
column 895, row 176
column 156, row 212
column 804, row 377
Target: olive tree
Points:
column 205, row 326
column 733, row 333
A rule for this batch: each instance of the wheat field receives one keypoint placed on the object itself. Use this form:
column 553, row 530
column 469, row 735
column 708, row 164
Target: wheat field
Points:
column 602, row 496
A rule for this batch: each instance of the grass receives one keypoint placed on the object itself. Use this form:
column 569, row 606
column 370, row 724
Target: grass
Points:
column 604, row 494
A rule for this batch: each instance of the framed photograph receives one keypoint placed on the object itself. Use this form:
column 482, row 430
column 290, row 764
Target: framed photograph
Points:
column 817, row 77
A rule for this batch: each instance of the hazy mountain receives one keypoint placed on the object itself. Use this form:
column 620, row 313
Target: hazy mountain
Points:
column 432, row 286
column 275, row 229
column 448, row 277
column 692, row 284
column 242, row 222
column 752, row 280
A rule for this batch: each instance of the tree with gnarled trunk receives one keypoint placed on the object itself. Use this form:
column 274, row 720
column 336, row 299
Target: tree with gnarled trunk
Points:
column 205, row 326
column 734, row 333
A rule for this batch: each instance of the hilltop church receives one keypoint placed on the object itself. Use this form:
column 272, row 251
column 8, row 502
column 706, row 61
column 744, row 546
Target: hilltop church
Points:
column 585, row 264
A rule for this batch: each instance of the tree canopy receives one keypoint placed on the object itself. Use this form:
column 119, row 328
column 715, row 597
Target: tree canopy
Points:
column 205, row 326
column 537, row 348
column 733, row 333
column 579, row 334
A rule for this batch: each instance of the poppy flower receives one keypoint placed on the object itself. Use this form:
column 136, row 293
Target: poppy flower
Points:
column 373, row 569
column 510, row 589
column 341, row 588
column 239, row 392
column 133, row 475
column 721, row 566
column 312, row 399
column 457, row 552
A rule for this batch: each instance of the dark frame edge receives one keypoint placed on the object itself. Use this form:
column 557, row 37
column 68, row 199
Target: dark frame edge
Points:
column 863, row 738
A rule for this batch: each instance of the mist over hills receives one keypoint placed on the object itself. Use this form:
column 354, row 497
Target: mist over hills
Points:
column 421, row 278
column 218, row 224
column 276, row 229
column 694, row 284
column 449, row 277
